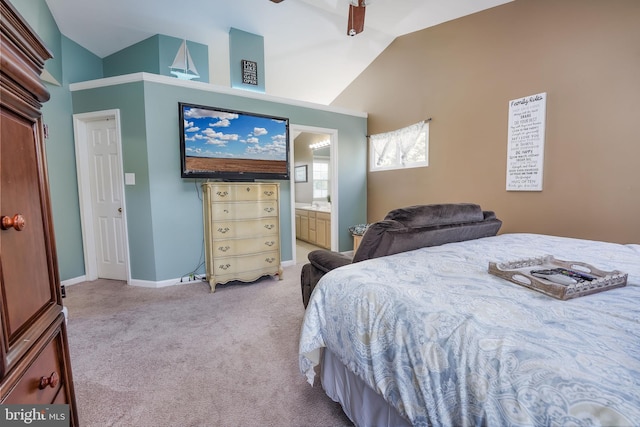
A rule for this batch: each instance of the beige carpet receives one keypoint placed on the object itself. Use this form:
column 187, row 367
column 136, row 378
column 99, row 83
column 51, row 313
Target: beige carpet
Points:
column 181, row 356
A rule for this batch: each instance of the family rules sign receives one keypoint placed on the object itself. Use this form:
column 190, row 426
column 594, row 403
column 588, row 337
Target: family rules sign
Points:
column 525, row 149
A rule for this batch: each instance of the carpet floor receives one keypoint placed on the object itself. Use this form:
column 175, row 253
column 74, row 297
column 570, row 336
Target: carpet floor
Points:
column 182, row 356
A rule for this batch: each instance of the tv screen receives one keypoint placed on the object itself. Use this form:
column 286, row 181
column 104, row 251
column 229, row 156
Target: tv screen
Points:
column 232, row 145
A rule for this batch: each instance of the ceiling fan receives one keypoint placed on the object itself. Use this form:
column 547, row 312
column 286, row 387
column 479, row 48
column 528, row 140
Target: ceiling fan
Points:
column 355, row 24
column 356, row 17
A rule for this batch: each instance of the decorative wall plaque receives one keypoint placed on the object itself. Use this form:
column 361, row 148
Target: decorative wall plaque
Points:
column 249, row 72
column 525, row 150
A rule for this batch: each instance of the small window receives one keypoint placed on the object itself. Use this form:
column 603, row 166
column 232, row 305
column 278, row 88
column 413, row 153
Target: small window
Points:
column 403, row 148
column 320, row 179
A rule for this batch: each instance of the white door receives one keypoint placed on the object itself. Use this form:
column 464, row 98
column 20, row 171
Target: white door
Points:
column 105, row 182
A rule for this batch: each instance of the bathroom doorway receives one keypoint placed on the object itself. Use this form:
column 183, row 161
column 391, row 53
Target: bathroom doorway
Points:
column 314, row 190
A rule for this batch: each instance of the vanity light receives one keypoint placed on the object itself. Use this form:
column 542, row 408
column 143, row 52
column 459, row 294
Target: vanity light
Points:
column 320, row 144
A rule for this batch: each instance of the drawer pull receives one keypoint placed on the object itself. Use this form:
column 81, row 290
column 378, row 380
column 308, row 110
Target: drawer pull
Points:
column 269, row 209
column 223, row 230
column 270, row 260
column 224, row 266
column 51, row 381
column 224, row 248
column 222, row 193
column 17, row 222
column 269, row 226
column 271, row 243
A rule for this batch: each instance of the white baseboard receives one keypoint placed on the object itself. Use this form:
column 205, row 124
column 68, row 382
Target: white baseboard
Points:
column 135, row 282
column 160, row 284
column 163, row 283
column 151, row 284
column 73, row 281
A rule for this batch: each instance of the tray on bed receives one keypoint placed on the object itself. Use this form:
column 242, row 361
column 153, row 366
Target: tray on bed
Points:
column 559, row 279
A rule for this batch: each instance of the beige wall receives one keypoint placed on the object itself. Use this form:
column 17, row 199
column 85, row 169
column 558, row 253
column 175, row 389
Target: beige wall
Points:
column 585, row 54
column 304, row 156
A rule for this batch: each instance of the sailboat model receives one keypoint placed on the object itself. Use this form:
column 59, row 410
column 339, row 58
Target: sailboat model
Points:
column 183, row 67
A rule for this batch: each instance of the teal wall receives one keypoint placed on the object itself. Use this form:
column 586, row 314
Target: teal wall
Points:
column 155, row 55
column 78, row 65
column 129, row 99
column 164, row 211
column 243, row 45
column 39, row 18
column 142, row 56
column 71, row 63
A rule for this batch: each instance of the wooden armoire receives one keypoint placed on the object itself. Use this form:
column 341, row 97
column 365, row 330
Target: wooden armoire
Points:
column 34, row 354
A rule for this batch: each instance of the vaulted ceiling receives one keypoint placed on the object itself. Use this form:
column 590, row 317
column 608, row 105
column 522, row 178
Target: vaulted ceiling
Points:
column 308, row 54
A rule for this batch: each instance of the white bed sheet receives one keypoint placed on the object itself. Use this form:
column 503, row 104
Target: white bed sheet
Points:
column 446, row 343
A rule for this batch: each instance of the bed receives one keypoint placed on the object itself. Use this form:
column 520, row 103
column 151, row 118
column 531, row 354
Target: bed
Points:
column 428, row 337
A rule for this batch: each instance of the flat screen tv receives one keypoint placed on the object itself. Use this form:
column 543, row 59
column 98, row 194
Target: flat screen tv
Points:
column 232, row 145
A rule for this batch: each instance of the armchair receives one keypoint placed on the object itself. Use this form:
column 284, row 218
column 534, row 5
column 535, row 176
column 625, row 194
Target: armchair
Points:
column 402, row 230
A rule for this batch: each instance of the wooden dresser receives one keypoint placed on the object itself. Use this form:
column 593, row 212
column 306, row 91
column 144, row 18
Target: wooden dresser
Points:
column 241, row 231
column 34, row 355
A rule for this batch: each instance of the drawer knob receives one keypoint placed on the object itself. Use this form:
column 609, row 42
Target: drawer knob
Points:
column 17, row 222
column 51, row 381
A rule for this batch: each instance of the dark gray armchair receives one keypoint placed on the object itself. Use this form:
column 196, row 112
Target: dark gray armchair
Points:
column 402, row 230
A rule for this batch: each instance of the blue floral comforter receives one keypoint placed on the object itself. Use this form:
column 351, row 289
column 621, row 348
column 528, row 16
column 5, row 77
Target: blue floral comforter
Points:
column 448, row 344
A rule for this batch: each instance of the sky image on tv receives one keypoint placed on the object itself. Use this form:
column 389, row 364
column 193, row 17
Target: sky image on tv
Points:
column 226, row 143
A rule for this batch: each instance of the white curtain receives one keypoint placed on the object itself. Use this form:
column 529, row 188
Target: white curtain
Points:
column 400, row 147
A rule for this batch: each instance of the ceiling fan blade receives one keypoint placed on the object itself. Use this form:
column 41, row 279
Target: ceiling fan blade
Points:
column 355, row 25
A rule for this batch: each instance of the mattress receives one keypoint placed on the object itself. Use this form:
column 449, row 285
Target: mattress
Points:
column 445, row 343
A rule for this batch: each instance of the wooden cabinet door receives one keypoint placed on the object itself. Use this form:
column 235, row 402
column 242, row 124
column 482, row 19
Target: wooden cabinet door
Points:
column 321, row 232
column 34, row 357
column 313, row 237
column 304, row 227
column 29, row 292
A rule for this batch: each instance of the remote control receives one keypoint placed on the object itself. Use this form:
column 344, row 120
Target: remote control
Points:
column 554, row 277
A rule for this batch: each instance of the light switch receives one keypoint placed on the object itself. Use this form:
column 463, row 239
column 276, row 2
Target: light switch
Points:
column 129, row 179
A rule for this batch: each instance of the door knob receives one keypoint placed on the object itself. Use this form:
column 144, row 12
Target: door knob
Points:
column 120, row 210
column 17, row 222
column 51, row 381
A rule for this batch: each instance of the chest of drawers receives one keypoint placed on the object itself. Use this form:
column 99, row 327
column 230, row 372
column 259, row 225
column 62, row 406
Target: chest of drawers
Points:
column 241, row 231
